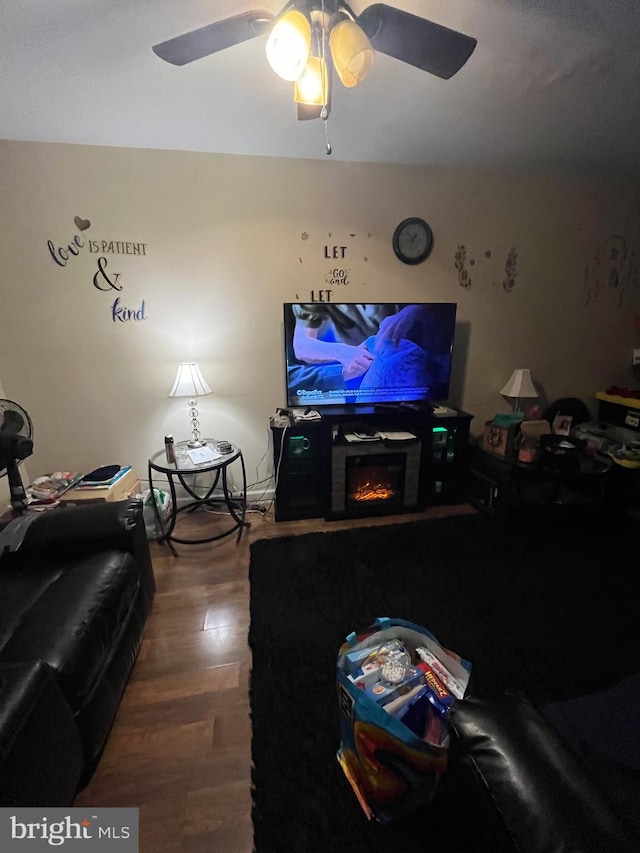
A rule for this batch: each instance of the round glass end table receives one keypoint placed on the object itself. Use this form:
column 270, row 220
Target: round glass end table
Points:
column 212, row 497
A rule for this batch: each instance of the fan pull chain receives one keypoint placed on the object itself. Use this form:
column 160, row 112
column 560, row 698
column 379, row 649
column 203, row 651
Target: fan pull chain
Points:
column 324, row 115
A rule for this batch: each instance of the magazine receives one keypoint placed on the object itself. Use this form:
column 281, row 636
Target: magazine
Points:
column 49, row 488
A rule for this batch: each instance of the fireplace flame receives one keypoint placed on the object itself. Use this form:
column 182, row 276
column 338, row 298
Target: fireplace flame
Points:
column 368, row 492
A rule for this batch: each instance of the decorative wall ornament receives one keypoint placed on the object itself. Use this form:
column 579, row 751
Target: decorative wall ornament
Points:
column 613, row 266
column 510, row 270
column 460, row 263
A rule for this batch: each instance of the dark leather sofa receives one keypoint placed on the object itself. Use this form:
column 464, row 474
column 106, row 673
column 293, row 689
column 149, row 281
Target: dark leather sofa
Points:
column 74, row 601
column 520, row 785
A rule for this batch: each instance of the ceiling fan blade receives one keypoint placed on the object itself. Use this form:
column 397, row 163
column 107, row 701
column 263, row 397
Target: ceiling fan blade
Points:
column 213, row 38
column 424, row 44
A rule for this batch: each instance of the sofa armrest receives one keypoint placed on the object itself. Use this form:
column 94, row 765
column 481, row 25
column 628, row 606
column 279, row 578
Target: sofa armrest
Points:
column 76, row 531
column 540, row 789
column 40, row 751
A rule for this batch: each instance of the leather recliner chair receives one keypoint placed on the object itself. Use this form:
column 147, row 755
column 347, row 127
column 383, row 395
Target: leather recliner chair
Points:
column 522, row 788
column 74, row 602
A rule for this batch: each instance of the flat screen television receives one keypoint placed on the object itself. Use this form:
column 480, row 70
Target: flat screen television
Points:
column 368, row 353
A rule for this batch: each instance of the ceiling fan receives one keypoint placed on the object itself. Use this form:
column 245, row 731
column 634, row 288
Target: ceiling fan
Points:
column 310, row 38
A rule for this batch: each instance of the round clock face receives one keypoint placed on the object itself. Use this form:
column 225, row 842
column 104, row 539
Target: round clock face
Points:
column 413, row 240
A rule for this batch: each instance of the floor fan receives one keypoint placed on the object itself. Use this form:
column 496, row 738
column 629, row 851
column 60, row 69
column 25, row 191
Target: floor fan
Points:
column 16, row 444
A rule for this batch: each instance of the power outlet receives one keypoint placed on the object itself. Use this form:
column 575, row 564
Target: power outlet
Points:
column 636, row 356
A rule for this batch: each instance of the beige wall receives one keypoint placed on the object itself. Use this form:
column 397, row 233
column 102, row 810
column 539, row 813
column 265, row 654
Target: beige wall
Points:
column 228, row 239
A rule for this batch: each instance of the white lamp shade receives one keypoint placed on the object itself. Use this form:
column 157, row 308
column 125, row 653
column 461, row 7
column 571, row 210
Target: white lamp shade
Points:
column 520, row 385
column 189, row 382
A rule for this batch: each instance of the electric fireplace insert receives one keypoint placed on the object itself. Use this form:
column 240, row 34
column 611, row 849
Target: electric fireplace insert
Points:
column 375, row 478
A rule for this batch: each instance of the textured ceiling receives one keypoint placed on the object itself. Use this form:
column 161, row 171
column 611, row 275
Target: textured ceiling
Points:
column 552, row 85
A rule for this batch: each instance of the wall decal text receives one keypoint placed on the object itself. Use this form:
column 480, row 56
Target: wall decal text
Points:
column 117, row 247
column 320, row 295
column 101, row 278
column 122, row 314
column 335, row 252
column 61, row 255
column 337, row 277
column 104, row 279
column 335, row 247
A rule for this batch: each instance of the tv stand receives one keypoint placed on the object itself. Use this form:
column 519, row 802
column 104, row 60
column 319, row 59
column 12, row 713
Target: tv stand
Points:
column 306, row 452
column 400, row 407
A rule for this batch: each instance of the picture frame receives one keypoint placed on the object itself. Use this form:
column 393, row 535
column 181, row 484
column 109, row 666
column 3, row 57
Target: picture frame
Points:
column 499, row 440
column 562, row 424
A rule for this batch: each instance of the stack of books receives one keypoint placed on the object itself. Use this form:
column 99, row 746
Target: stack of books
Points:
column 103, row 478
column 117, row 485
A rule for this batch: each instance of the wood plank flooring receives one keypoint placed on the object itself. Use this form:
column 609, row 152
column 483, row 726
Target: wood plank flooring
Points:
column 180, row 747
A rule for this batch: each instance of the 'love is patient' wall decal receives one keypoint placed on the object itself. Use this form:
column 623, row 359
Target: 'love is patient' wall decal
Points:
column 105, row 278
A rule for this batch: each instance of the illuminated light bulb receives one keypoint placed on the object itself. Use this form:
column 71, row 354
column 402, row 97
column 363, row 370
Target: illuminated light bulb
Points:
column 288, row 45
column 312, row 85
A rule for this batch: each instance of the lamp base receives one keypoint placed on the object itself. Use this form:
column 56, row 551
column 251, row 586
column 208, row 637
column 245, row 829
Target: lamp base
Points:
column 196, row 443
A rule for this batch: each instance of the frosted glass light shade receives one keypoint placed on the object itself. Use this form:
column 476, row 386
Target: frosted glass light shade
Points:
column 520, row 385
column 351, row 52
column 189, row 382
column 312, row 87
column 289, row 44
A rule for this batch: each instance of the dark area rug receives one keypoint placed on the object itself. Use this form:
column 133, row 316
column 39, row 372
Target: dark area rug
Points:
column 547, row 606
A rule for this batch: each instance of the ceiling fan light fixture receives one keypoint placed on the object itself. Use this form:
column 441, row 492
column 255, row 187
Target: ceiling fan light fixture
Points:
column 313, row 84
column 351, row 52
column 289, row 44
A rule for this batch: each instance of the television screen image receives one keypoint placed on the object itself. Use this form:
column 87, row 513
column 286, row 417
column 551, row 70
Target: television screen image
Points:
column 368, row 353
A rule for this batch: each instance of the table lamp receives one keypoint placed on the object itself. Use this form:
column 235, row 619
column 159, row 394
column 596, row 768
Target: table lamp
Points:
column 519, row 387
column 191, row 383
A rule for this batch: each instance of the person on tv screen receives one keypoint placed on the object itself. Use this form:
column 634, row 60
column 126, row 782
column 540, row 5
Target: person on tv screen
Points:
column 370, row 347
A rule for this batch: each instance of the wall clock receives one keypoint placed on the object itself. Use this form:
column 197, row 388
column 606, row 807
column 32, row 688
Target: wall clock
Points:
column 412, row 240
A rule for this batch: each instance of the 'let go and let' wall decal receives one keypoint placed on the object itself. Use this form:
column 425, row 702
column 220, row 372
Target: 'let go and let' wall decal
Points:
column 105, row 278
column 342, row 250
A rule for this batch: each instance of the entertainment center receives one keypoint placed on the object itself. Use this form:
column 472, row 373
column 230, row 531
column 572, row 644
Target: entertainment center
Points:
column 411, row 459
column 362, row 434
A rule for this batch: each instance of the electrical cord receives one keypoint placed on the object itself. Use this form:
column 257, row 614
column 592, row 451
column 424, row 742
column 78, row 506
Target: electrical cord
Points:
column 276, row 473
column 255, row 505
column 273, row 477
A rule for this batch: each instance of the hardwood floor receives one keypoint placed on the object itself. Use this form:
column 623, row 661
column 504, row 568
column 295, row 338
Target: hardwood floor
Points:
column 180, row 747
